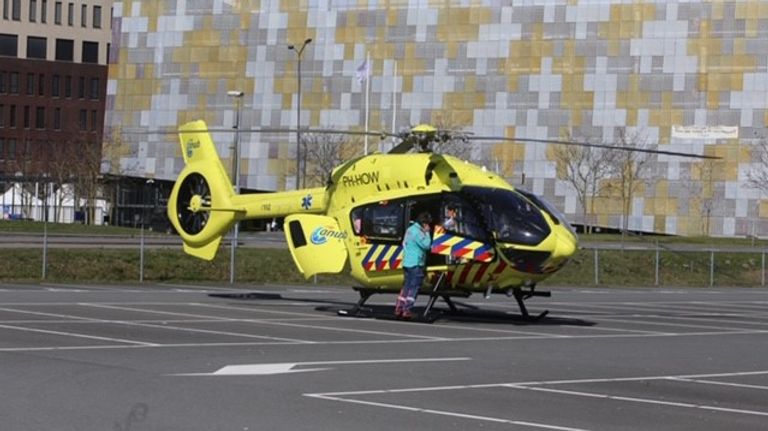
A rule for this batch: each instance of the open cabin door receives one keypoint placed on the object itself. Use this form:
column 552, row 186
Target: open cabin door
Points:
column 316, row 244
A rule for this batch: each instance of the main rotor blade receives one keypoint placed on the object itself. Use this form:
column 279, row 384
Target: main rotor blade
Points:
column 403, row 147
column 264, row 130
column 587, row 144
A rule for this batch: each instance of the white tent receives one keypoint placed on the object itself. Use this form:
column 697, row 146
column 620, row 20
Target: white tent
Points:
column 18, row 203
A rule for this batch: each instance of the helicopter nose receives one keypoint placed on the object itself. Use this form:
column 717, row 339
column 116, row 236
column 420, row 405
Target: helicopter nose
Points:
column 566, row 246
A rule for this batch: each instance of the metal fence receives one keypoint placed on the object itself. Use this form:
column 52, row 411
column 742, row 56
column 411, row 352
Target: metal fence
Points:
column 595, row 264
column 680, row 265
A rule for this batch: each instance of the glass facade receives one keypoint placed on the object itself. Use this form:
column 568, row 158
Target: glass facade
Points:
column 687, row 76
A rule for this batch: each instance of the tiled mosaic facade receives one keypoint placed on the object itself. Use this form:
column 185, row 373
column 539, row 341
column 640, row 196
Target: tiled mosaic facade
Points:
column 522, row 68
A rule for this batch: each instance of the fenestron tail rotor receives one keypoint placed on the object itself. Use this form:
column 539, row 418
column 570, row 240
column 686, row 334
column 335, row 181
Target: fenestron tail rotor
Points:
column 192, row 203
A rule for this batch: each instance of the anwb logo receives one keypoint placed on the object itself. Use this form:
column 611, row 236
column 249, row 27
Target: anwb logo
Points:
column 321, row 234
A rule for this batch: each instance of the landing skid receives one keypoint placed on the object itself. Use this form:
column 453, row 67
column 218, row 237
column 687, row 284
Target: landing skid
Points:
column 358, row 310
column 521, row 294
column 439, row 292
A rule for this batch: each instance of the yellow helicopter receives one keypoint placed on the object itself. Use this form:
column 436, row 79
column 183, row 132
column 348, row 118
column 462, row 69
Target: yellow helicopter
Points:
column 502, row 239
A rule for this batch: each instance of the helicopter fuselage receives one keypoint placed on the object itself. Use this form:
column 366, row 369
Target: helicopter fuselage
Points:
column 501, row 238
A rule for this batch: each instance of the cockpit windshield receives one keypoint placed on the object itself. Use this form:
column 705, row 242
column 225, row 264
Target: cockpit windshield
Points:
column 513, row 218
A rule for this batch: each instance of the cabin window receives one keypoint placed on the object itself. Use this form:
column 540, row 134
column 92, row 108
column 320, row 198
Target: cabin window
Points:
column 382, row 220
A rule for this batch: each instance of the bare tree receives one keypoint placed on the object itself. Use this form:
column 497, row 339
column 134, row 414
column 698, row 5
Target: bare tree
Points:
column 584, row 168
column 757, row 177
column 324, row 152
column 85, row 160
column 628, row 168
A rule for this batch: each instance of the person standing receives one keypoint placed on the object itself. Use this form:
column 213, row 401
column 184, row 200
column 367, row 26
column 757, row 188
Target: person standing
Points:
column 416, row 245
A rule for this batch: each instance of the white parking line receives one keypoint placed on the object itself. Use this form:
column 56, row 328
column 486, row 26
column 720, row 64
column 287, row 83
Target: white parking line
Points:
column 328, row 328
column 642, row 320
column 715, row 382
column 640, row 400
column 76, row 335
column 446, row 413
column 146, row 325
column 347, row 397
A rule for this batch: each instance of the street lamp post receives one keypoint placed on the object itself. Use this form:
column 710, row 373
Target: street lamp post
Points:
column 236, row 179
column 149, row 183
column 298, row 52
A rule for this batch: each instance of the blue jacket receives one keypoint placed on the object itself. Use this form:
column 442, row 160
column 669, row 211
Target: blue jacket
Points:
column 415, row 246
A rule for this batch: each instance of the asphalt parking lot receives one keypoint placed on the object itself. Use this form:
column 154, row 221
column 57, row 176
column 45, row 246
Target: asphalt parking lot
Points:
column 178, row 357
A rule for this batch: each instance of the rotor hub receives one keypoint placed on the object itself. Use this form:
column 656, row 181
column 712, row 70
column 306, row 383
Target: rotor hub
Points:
column 196, row 203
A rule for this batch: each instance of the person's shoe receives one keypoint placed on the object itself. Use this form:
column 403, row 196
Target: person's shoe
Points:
column 406, row 315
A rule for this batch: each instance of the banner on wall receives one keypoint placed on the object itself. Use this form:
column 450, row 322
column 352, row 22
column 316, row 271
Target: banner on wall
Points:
column 705, row 132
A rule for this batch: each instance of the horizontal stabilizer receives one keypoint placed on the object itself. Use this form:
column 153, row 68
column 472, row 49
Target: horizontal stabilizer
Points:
column 207, row 251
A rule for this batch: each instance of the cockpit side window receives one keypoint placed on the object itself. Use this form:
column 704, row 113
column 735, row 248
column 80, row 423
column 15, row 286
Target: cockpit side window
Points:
column 382, row 220
column 461, row 218
column 514, row 219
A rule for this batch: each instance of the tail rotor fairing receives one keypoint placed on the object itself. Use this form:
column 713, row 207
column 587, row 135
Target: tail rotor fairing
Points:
column 193, row 198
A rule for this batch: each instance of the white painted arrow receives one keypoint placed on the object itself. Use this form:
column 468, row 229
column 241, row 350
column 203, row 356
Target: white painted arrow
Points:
column 288, row 367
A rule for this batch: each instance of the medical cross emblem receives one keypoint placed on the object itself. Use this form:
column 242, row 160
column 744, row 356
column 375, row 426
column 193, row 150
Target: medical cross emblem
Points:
column 306, row 202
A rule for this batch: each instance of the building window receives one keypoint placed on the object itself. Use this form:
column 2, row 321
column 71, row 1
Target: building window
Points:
column 83, row 15
column 57, row 13
column 40, row 117
column 65, row 49
column 55, row 85
column 67, row 86
column 37, row 47
column 3, row 78
column 26, row 116
column 11, row 149
column 2, row 148
column 41, row 85
column 96, row 16
column 9, row 44
column 12, row 118
column 81, row 88
column 2, row 116
column 71, row 14
column 57, row 119
column 94, row 120
column 5, row 9
column 14, row 83
column 16, row 10
column 32, row 10
column 90, row 52
column 94, row 88
column 30, row 84
column 43, row 11
column 83, row 122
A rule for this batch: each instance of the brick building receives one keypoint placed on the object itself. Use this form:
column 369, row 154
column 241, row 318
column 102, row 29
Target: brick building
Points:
column 53, row 77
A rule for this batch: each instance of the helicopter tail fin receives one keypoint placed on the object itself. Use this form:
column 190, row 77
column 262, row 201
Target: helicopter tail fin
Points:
column 200, row 205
